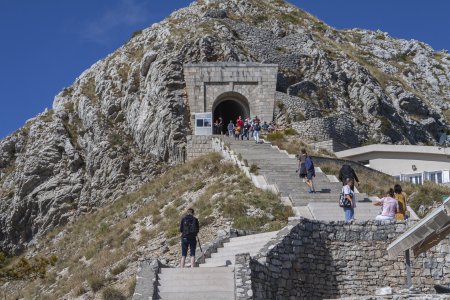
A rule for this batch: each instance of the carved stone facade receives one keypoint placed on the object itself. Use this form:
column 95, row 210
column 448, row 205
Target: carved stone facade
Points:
column 246, row 88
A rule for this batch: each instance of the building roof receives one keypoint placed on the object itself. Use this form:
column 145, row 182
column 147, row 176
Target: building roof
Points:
column 384, row 148
column 427, row 233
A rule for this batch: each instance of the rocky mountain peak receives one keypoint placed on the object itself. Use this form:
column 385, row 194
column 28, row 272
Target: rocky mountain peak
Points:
column 126, row 118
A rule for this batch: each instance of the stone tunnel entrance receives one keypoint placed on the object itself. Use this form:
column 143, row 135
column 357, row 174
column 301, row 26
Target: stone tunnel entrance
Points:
column 230, row 106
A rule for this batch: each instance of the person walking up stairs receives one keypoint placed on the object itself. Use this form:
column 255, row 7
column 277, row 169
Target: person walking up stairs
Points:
column 189, row 229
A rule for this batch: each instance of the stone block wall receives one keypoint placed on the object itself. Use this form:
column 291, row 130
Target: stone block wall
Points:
column 334, row 127
column 330, row 145
column 207, row 82
column 198, row 145
column 316, row 260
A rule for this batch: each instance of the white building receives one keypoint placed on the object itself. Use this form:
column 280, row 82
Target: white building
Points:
column 414, row 164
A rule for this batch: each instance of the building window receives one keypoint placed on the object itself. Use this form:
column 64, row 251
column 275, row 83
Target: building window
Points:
column 439, row 177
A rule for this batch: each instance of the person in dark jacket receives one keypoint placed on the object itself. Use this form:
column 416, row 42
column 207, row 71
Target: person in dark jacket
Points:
column 346, row 172
column 189, row 229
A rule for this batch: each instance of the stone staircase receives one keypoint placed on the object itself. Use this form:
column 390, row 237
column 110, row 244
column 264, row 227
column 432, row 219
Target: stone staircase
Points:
column 248, row 244
column 196, row 283
column 215, row 278
column 279, row 168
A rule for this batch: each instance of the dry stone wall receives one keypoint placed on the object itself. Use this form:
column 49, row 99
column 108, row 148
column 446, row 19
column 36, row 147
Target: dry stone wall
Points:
column 334, row 127
column 317, row 260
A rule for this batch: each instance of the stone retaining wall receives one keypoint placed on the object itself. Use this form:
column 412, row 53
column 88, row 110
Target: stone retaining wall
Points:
column 242, row 277
column 147, row 280
column 198, row 145
column 314, row 259
column 337, row 127
column 330, row 145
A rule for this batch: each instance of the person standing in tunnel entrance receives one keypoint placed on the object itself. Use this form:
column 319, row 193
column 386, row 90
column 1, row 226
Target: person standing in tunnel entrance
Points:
column 220, row 126
column 230, row 129
column 239, row 122
column 256, row 130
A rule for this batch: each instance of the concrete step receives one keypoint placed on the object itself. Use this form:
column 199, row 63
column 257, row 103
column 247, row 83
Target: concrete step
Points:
column 197, row 295
column 247, row 243
column 204, row 284
column 331, row 212
column 253, row 236
column 196, row 283
column 241, row 248
column 217, row 264
column 303, row 211
column 229, row 255
column 193, row 271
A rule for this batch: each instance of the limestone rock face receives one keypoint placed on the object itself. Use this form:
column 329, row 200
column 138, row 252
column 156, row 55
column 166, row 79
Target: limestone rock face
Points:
column 126, row 117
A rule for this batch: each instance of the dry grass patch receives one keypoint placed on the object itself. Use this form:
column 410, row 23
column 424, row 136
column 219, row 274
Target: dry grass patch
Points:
column 90, row 247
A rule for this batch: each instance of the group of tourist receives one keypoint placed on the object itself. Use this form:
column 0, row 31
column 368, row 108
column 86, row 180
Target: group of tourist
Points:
column 393, row 204
column 243, row 128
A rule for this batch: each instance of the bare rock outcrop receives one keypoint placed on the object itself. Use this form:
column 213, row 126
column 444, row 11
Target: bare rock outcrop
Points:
column 126, row 117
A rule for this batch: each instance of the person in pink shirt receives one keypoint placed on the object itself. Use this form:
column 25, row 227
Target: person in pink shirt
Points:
column 390, row 206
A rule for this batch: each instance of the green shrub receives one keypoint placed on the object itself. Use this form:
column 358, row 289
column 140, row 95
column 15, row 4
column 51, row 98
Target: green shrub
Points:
column 132, row 287
column 79, row 290
column 96, row 282
column 290, row 131
column 69, row 107
column 136, row 33
column 24, row 268
column 320, row 27
column 275, row 136
column 280, row 104
column 88, row 89
column 115, row 139
column 198, row 186
column 250, row 223
column 298, row 117
column 233, row 208
column 111, row 293
column 48, row 116
column 254, row 169
column 3, row 259
column 119, row 268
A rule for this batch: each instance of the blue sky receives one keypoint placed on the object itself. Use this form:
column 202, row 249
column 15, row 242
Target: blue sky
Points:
column 47, row 44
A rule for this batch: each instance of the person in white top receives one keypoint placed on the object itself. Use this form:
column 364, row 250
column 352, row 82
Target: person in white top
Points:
column 350, row 195
column 390, row 206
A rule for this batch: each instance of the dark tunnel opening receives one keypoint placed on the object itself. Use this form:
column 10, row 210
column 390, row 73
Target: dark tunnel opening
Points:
column 229, row 110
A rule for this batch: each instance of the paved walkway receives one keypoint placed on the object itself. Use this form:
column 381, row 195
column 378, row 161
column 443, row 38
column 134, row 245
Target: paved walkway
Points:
column 279, row 168
column 215, row 278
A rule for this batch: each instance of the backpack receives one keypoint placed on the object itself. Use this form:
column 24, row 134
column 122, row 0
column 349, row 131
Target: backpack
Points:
column 189, row 228
column 309, row 165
